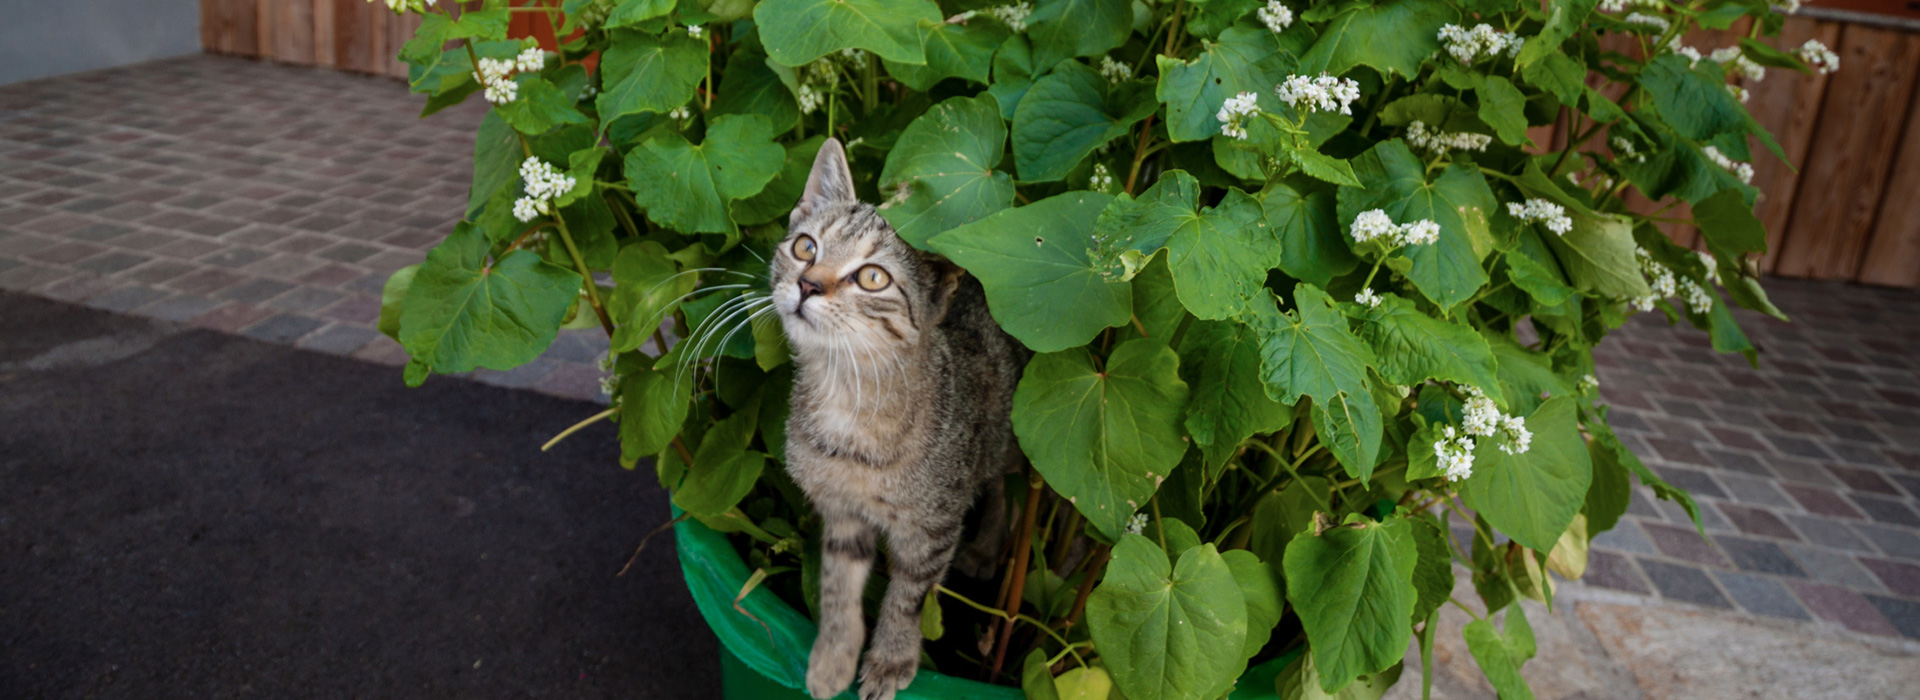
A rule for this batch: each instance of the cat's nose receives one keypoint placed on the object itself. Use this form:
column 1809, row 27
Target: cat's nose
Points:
column 810, row 288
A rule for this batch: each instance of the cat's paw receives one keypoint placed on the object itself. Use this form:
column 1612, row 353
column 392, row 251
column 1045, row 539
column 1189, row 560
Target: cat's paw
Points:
column 882, row 678
column 830, row 673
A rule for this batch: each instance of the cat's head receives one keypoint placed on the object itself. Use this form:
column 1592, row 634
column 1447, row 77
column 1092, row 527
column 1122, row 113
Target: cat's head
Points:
column 843, row 278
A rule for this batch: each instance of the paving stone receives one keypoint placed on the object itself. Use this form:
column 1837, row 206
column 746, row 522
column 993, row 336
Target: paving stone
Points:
column 1616, row 571
column 1800, row 470
column 1684, row 583
column 179, row 308
column 1895, row 542
column 1902, row 578
column 1756, row 491
column 1799, row 447
column 1761, row 596
column 1848, row 608
column 1835, row 567
column 1684, row 543
column 255, row 291
column 1755, row 521
column 1863, row 480
column 1904, row 615
column 338, row 339
column 1759, row 556
column 127, row 298
column 110, row 262
column 1697, row 483
column 282, row 328
column 1625, row 536
column 1886, row 510
column 520, row 377
column 1909, row 482
column 573, row 381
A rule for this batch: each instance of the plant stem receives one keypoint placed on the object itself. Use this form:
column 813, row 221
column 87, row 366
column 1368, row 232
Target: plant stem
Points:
column 1140, row 152
column 586, row 276
column 1373, row 112
column 577, row 426
column 1094, row 571
column 681, row 448
column 1023, row 550
column 1160, row 523
column 1173, row 30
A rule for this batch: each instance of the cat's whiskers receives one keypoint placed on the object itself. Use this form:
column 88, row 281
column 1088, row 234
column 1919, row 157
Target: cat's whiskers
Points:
column 709, row 328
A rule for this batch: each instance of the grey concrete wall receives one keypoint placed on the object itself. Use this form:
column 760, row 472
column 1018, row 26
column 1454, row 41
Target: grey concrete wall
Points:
column 40, row 38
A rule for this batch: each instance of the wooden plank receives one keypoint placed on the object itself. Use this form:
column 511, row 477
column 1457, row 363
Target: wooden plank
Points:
column 379, row 49
column 353, row 34
column 1787, row 103
column 1853, row 145
column 228, row 27
column 323, row 33
column 399, row 30
column 293, row 31
column 263, row 28
column 1893, row 253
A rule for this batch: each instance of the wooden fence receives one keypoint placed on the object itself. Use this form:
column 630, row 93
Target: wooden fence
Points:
column 1851, row 211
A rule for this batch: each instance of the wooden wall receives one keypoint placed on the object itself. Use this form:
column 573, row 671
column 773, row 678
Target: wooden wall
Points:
column 1850, row 211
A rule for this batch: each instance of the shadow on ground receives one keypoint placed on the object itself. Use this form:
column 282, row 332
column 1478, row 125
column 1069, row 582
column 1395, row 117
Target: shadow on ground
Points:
column 189, row 514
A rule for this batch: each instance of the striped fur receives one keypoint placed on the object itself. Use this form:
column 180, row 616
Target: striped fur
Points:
column 900, row 418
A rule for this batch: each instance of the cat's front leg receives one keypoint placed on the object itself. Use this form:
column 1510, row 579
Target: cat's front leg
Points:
column 917, row 559
column 846, row 557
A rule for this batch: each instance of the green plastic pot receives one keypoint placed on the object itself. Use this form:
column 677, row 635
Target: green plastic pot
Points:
column 763, row 653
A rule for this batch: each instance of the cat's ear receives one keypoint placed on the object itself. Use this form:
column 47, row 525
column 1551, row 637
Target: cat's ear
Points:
column 946, row 280
column 829, row 183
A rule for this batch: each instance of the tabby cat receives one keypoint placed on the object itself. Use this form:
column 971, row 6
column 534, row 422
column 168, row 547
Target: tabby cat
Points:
column 900, row 418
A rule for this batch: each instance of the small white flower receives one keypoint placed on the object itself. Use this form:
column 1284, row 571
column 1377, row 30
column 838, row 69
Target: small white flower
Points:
column 1322, row 94
column 1115, row 71
column 1589, row 383
column 1455, row 453
column 530, row 60
column 1644, row 303
column 609, row 385
column 1440, row 142
column 1482, row 41
column 1137, row 524
column 1786, row 7
column 497, row 77
column 1697, row 297
column 402, row 6
column 1625, row 150
column 1367, row 298
column 1744, row 171
column 696, row 31
column 1738, row 93
column 1234, row 111
column 1692, row 54
column 1015, row 16
column 1658, row 23
column 525, row 208
column 1518, row 438
column 1102, row 180
column 1744, row 67
column 1818, row 56
column 680, row 113
column 1276, row 16
column 1481, row 416
column 1373, row 224
column 809, row 99
column 1659, row 276
column 1420, row 232
column 1545, row 212
column 856, row 57
column 1713, row 266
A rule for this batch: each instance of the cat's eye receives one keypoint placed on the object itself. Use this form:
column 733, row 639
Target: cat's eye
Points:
column 872, row 278
column 804, row 248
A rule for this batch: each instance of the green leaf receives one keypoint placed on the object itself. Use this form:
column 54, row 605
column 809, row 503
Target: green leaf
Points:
column 1141, row 226
column 798, row 31
column 946, row 158
column 629, row 12
column 780, row 194
column 1261, row 590
column 1301, row 681
column 1062, row 29
column 1392, row 179
column 1013, row 74
column 1433, row 573
column 1413, row 347
column 1220, row 256
column 646, row 287
column 963, row 50
column 1229, row 404
column 1036, row 680
column 1564, row 18
column 1539, row 282
column 1155, row 303
column 1610, row 493
column 1558, row 74
column 540, row 106
column 1032, row 260
column 1532, row 496
column 932, row 624
column 1311, row 247
column 461, row 313
column 1393, row 36
column 1728, row 224
column 1105, row 440
column 653, row 404
column 1067, row 114
column 723, row 470
column 496, row 162
column 1693, row 100
column 646, row 73
column 1282, row 516
column 750, row 86
column 1244, row 60
column 687, row 187
column 1505, row 109
column 1323, row 167
column 1168, row 632
column 1350, row 426
column 393, row 296
column 1598, row 256
column 1498, row 656
column 1084, row 683
column 1311, row 352
column 1353, row 589
column 1525, row 375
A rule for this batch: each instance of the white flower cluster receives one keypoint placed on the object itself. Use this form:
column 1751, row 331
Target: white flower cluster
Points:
column 1236, row 109
column 1455, row 453
column 854, row 57
column 1484, row 419
column 1692, row 54
column 1114, row 71
column 496, row 75
column 1659, row 277
column 1624, row 150
column 1697, row 297
column 1323, row 94
column 1614, row 7
column 1137, row 524
column 1738, row 93
column 400, row 6
column 1818, row 56
column 809, row 98
column 1713, row 266
column 1440, row 142
column 1657, row 22
column 1589, row 383
column 1786, row 7
column 1374, row 224
column 1102, row 180
column 1482, row 41
column 1744, row 171
column 1276, row 16
column 1542, row 211
column 1015, row 16
column 543, row 182
column 1367, row 298
column 680, row 114
column 1731, row 56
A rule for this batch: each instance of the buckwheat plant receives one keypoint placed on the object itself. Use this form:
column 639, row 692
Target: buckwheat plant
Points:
column 1170, row 203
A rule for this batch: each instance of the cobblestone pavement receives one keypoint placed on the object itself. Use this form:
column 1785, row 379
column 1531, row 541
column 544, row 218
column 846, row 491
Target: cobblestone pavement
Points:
column 273, row 201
